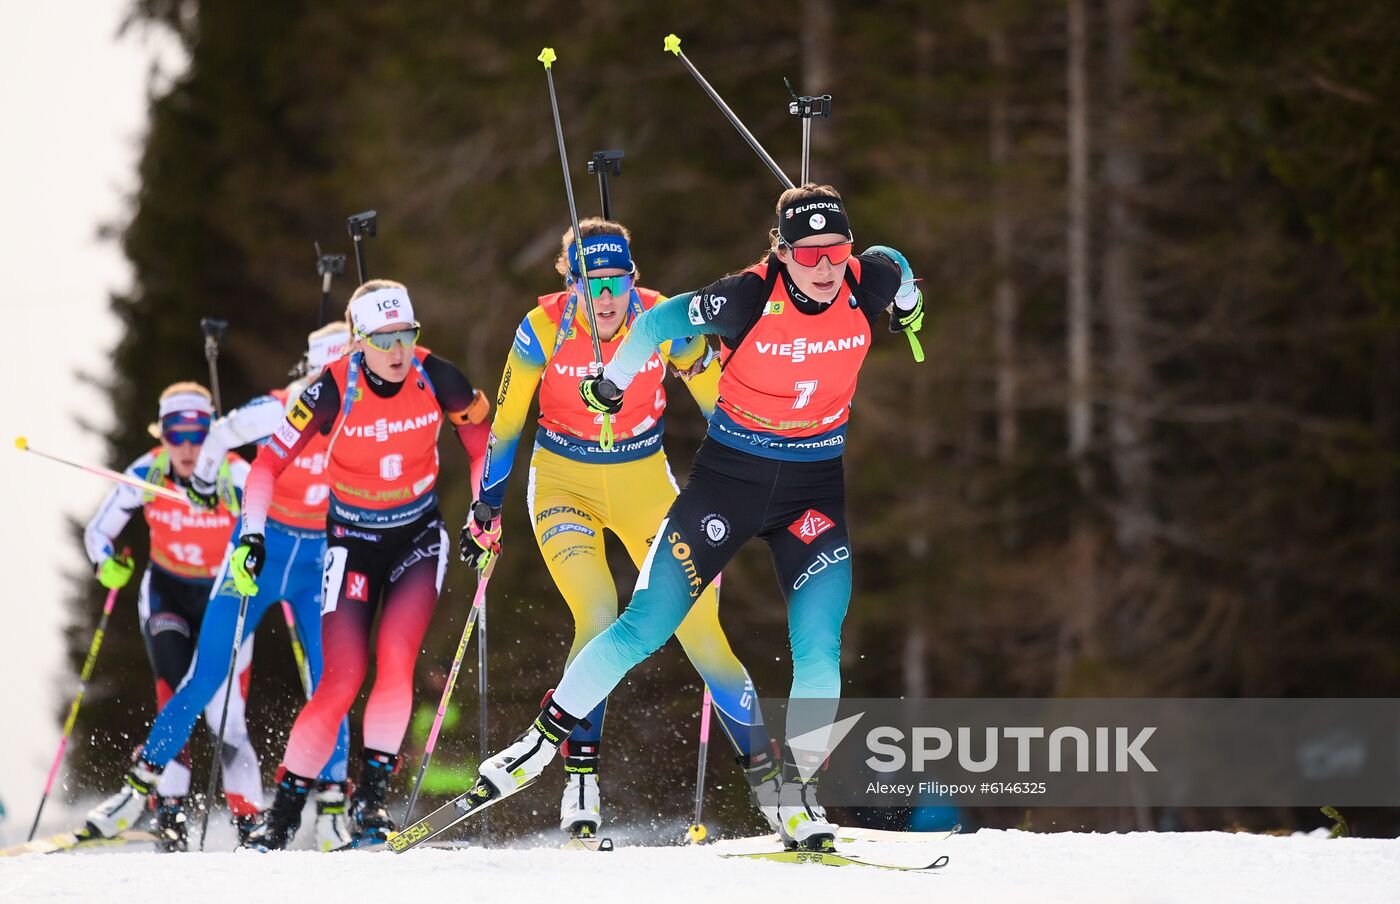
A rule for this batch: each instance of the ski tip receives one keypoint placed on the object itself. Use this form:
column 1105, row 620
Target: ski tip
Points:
column 697, row 833
column 547, row 56
column 21, row 443
column 672, row 44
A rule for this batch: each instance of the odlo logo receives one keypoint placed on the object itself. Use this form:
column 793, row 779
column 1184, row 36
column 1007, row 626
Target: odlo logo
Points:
column 681, row 551
column 821, row 563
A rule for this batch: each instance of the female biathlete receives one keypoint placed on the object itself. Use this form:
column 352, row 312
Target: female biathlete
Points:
column 795, row 330
column 381, row 408
column 188, row 543
column 296, row 545
column 577, row 488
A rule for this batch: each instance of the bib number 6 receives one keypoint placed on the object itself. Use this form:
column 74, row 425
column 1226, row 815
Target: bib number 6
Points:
column 804, row 388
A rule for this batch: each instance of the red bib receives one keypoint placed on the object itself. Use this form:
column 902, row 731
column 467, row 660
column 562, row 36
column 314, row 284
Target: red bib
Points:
column 561, row 409
column 794, row 373
column 186, row 541
column 300, row 493
column 384, row 454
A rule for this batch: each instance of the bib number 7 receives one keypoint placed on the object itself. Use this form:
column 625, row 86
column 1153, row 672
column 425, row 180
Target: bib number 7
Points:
column 804, row 388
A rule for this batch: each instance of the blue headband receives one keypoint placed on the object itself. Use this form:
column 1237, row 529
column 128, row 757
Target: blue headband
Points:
column 601, row 252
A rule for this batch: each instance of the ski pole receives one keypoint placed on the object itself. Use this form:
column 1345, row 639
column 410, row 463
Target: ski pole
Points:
column 603, row 164
column 547, row 57
column 298, row 653
column 223, row 720
column 698, row 831
column 361, row 226
column 478, row 603
column 483, row 724
column 672, row 44
column 22, row 444
column 83, row 678
column 214, row 332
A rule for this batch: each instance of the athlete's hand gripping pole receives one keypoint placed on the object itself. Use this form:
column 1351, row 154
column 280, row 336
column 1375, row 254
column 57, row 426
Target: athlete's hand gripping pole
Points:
column 672, row 44
column 547, row 57
column 478, row 603
column 22, row 444
column 83, row 679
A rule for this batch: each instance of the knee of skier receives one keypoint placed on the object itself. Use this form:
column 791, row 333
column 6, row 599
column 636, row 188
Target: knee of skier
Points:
column 637, row 638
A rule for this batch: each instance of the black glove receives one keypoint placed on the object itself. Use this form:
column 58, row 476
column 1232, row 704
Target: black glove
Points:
column 480, row 538
column 204, row 495
column 600, row 394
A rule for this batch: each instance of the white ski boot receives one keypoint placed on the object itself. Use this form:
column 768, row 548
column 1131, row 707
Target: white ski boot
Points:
column 119, row 812
column 802, row 821
column 522, row 762
column 332, row 818
column 581, row 807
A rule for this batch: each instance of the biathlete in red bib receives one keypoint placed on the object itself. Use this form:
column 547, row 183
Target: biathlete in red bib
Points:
column 795, row 329
column 381, row 409
column 188, row 544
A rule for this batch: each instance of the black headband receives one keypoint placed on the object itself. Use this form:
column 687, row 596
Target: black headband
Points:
column 812, row 216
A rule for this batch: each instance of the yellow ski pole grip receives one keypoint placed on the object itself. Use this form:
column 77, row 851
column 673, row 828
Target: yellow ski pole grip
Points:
column 547, row 56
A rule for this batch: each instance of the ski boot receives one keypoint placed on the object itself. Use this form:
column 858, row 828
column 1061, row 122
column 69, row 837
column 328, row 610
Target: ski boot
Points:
column 332, row 821
column 522, row 762
column 369, row 813
column 764, row 774
column 803, row 823
column 281, row 820
column 581, row 809
column 119, row 812
column 244, row 826
column 171, row 826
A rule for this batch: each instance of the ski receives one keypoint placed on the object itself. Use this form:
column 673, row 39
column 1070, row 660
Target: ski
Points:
column 850, row 834
column 460, row 808
column 73, row 841
column 587, row 843
column 831, row 858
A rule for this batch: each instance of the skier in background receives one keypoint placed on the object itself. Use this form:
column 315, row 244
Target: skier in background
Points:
column 187, row 545
column 577, row 488
column 296, row 542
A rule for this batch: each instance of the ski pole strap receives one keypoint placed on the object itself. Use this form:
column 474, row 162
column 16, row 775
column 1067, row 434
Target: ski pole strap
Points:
column 915, row 346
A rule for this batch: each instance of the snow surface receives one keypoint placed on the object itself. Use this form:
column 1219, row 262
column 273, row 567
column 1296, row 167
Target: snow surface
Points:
column 985, row 866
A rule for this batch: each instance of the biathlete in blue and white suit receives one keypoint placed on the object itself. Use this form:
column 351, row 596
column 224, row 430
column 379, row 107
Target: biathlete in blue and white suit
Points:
column 296, row 545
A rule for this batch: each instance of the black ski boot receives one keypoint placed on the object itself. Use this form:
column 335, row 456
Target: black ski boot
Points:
column 171, row 826
column 281, row 820
column 369, row 812
column 245, row 825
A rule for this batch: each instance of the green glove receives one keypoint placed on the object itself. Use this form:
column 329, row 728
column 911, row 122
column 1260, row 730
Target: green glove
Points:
column 247, row 563
column 115, row 571
column 600, row 395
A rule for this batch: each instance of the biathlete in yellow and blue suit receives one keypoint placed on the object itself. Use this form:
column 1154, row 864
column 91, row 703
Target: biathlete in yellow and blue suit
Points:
column 577, row 489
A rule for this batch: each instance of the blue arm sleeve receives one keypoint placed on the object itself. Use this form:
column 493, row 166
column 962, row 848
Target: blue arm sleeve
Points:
column 670, row 319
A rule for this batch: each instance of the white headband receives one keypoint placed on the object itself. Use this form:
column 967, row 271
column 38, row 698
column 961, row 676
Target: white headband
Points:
column 375, row 310
column 186, row 401
column 322, row 350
